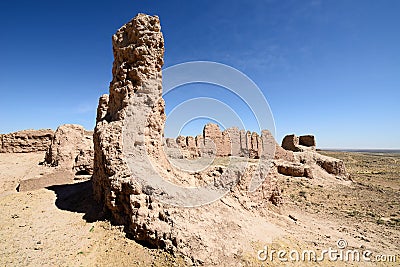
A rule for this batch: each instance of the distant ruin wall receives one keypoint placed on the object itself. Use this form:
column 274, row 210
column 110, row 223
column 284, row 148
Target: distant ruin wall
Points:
column 26, row 141
column 295, row 143
column 241, row 143
column 71, row 149
column 214, row 142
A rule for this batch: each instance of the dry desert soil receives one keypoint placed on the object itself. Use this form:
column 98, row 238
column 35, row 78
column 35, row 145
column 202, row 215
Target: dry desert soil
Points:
column 61, row 225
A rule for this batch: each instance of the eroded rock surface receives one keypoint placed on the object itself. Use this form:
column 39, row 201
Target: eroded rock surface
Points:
column 71, row 149
column 291, row 142
column 129, row 157
column 294, row 169
column 26, row 141
column 303, row 149
column 133, row 177
column 216, row 143
column 307, row 140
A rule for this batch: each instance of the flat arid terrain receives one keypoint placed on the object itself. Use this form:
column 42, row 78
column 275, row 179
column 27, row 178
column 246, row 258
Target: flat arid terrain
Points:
column 176, row 133
column 61, row 225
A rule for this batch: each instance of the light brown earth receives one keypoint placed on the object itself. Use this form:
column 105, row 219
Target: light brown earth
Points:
column 61, row 225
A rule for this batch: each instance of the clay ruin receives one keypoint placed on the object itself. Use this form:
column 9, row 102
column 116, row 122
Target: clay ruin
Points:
column 130, row 159
column 298, row 143
column 129, row 132
column 71, row 149
column 214, row 142
column 26, row 141
column 296, row 157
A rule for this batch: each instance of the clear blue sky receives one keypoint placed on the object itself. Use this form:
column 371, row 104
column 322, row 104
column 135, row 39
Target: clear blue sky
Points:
column 331, row 68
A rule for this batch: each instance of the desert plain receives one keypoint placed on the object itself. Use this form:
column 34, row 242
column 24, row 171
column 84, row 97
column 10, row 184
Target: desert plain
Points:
column 61, row 225
column 73, row 197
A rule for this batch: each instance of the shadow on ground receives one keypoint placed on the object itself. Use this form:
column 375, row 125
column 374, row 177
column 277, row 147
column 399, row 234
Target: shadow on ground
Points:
column 78, row 197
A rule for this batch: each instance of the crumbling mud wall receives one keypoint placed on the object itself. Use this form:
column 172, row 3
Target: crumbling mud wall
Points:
column 230, row 142
column 207, row 215
column 216, row 143
column 71, row 149
column 304, row 151
column 297, row 156
column 26, row 141
column 129, row 132
column 138, row 49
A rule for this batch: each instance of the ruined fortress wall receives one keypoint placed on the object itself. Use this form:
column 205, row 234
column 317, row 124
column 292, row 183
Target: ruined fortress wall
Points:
column 214, row 142
column 26, row 141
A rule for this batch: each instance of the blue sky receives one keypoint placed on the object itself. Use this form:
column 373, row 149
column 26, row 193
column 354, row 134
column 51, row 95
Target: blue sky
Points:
column 331, row 68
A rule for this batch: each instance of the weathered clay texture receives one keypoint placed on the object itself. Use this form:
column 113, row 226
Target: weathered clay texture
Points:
column 303, row 149
column 26, row 141
column 297, row 144
column 129, row 132
column 307, row 140
column 291, row 142
column 71, row 149
column 129, row 157
column 214, row 142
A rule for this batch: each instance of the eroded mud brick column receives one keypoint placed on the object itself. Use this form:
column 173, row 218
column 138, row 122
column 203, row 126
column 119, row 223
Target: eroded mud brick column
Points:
column 138, row 49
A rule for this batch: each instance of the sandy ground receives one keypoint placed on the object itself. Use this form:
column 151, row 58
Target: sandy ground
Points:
column 15, row 167
column 61, row 225
column 364, row 212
